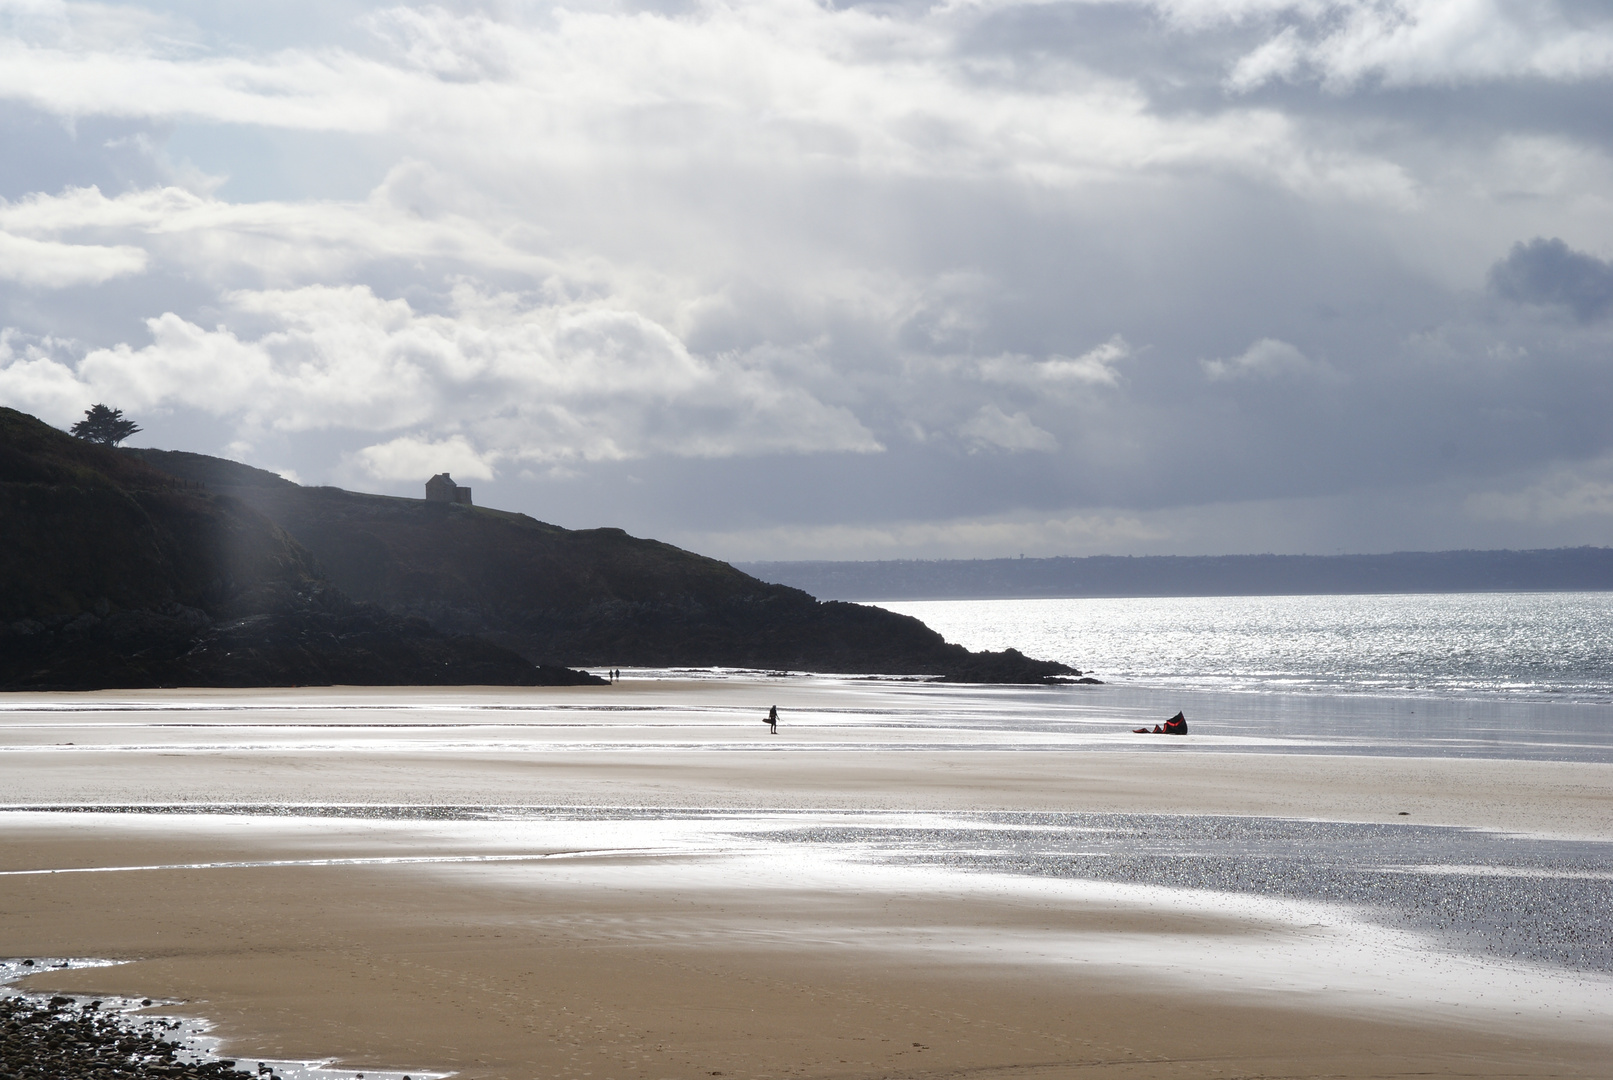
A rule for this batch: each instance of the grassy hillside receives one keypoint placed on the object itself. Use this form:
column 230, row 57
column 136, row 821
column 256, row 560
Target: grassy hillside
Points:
column 87, row 529
column 114, row 573
column 582, row 597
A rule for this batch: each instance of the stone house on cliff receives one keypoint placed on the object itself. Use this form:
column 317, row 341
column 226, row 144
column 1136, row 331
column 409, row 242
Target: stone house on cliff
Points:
column 441, row 488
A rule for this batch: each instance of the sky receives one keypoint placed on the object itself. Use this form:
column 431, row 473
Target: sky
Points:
column 787, row 279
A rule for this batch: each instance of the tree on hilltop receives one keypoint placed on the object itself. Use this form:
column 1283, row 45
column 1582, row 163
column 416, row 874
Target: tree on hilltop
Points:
column 103, row 425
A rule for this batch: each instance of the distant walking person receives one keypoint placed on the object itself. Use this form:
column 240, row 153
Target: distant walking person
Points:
column 772, row 719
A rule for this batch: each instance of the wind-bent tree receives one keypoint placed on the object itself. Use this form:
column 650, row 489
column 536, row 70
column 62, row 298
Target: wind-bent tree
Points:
column 104, row 425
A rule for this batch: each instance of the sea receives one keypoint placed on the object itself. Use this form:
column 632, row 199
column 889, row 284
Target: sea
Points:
column 1523, row 646
column 1496, row 675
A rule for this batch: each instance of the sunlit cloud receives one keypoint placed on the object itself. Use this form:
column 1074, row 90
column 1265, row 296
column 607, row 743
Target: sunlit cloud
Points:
column 1095, row 367
column 53, row 265
column 409, row 458
column 534, row 382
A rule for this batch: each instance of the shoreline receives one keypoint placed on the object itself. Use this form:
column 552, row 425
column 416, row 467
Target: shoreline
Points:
column 842, row 744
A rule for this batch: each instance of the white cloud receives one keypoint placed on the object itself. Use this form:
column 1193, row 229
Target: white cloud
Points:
column 53, row 265
column 461, row 49
column 411, row 458
column 1266, row 359
column 276, row 242
column 533, row 381
column 1095, row 367
column 36, row 381
column 1278, row 57
column 315, row 91
column 993, row 429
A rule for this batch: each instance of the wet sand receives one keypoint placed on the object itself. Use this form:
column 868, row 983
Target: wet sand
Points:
column 659, row 948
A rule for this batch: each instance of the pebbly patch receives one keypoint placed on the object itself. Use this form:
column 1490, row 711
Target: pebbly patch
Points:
column 60, row 1039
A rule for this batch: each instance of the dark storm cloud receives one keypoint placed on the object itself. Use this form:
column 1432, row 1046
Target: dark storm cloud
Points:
column 1550, row 272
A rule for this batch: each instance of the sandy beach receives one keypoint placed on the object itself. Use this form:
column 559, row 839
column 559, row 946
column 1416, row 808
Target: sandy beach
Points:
column 639, row 881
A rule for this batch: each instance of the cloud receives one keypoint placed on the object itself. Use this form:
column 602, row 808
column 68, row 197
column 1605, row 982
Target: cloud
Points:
column 534, row 381
column 35, row 380
column 411, row 458
column 1565, row 493
column 834, row 89
column 643, row 264
column 993, row 429
column 328, row 90
column 1411, row 42
column 466, row 48
column 273, row 241
column 52, row 265
column 1095, row 367
column 1267, row 358
column 1550, row 272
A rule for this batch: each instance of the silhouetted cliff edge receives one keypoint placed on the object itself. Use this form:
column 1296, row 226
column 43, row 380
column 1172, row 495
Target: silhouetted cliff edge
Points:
column 116, row 574
column 583, row 597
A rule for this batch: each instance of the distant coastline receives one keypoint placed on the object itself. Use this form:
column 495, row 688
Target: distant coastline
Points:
column 1588, row 569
